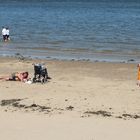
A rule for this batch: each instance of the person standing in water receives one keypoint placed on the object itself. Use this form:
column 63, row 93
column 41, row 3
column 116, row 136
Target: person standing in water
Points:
column 7, row 34
column 4, row 33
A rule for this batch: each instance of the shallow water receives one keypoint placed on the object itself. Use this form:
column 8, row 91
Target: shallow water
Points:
column 72, row 30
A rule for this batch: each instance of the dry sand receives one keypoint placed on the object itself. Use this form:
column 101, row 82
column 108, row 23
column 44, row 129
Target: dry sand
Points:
column 82, row 101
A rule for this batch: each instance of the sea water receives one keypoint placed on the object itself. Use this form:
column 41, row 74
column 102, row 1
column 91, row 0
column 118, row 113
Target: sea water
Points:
column 107, row 30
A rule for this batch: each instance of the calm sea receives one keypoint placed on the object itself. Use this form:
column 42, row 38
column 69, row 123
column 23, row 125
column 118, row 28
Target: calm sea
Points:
column 105, row 30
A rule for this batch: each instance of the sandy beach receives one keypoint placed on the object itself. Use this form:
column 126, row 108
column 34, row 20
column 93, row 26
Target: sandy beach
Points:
column 83, row 101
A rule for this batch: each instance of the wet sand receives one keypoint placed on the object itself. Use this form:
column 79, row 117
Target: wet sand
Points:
column 83, row 100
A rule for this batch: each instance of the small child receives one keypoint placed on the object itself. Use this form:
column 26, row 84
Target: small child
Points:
column 138, row 82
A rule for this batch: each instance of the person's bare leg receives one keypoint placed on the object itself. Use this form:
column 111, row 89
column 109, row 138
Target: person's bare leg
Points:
column 4, row 78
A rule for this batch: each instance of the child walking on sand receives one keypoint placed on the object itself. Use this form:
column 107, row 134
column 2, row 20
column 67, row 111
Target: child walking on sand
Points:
column 138, row 82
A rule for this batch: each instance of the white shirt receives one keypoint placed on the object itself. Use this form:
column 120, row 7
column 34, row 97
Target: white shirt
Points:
column 3, row 31
column 7, row 31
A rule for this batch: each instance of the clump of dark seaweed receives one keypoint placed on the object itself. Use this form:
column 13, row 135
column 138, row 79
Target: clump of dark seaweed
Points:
column 100, row 112
column 9, row 102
